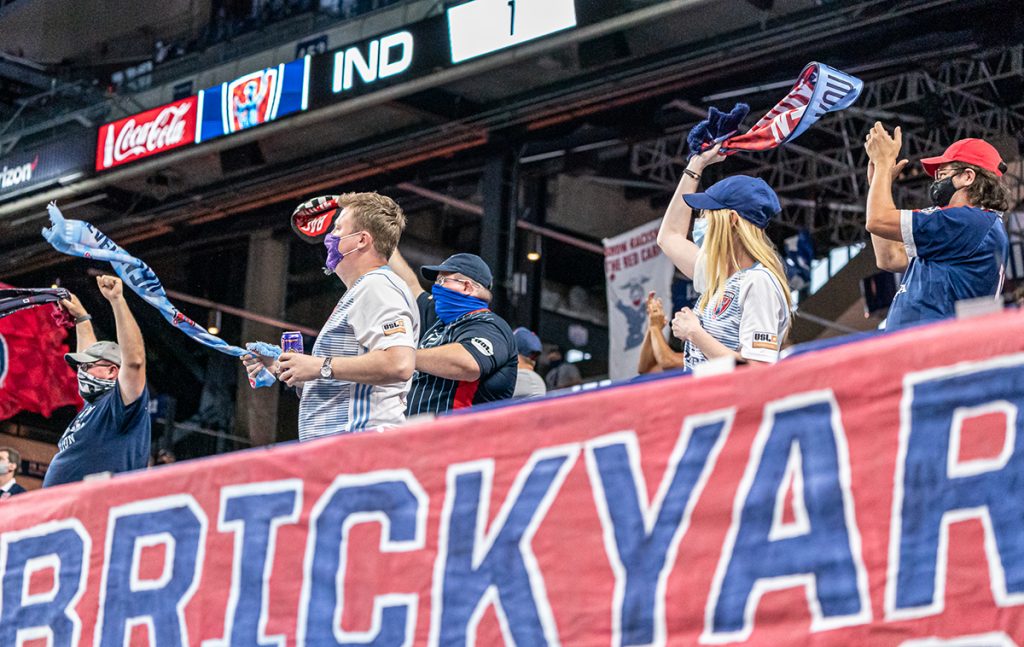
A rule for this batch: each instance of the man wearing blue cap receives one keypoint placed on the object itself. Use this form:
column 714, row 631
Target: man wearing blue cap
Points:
column 467, row 354
column 744, row 305
column 528, row 347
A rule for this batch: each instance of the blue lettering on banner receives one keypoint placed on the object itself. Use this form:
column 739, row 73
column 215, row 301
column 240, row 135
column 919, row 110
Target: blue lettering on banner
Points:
column 934, row 488
column 179, row 524
column 395, row 500
column 823, row 554
column 474, row 570
column 61, row 546
column 641, row 540
column 254, row 512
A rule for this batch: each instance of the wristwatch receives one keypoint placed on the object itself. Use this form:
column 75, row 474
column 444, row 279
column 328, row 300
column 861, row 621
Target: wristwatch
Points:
column 326, row 371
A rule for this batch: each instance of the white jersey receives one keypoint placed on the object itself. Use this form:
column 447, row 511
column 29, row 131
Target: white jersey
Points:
column 751, row 317
column 378, row 312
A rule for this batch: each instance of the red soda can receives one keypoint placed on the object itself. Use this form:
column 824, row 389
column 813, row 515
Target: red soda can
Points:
column 291, row 342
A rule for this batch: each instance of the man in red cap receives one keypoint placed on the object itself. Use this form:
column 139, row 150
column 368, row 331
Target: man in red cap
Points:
column 953, row 251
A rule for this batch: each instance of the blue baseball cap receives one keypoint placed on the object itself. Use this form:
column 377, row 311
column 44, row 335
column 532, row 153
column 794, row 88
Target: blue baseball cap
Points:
column 469, row 265
column 527, row 343
column 751, row 197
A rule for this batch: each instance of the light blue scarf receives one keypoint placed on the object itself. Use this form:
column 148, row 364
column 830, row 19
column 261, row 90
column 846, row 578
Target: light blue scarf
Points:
column 79, row 238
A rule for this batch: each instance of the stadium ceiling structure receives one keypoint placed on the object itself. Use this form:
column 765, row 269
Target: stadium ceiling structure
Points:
column 980, row 95
column 614, row 102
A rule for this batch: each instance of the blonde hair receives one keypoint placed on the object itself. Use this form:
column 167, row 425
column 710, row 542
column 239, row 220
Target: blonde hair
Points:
column 379, row 215
column 720, row 252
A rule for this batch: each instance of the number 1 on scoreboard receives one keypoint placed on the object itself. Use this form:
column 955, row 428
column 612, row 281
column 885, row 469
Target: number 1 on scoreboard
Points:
column 479, row 27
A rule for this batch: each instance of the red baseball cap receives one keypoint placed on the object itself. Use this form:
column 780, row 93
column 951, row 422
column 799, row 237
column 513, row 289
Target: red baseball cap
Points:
column 969, row 151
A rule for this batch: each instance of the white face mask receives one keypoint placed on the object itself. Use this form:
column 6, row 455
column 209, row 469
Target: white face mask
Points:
column 700, row 229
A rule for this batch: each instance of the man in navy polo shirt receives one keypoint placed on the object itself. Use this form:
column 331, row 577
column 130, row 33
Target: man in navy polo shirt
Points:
column 467, row 354
column 112, row 432
column 953, row 251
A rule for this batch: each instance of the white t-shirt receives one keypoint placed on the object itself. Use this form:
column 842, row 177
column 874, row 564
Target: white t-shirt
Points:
column 378, row 312
column 751, row 317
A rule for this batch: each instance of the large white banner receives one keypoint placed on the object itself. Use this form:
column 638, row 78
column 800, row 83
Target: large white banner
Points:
column 633, row 266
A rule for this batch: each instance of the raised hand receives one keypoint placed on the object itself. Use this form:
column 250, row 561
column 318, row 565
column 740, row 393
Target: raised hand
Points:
column 655, row 312
column 882, row 148
column 110, row 287
column 74, row 307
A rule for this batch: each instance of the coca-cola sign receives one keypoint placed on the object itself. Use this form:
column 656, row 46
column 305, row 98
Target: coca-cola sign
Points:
column 146, row 133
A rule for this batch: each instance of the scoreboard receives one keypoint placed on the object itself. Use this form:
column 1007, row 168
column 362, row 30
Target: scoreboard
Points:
column 467, row 31
column 481, row 27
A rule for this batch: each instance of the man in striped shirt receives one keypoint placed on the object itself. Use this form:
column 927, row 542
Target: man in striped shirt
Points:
column 358, row 376
column 467, row 354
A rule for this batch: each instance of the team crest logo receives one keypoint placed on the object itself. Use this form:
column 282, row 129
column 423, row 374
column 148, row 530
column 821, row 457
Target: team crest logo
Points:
column 724, row 304
column 253, row 99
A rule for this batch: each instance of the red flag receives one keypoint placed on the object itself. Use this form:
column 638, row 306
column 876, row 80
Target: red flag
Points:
column 33, row 374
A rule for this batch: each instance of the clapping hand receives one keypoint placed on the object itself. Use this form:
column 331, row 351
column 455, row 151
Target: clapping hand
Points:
column 685, row 324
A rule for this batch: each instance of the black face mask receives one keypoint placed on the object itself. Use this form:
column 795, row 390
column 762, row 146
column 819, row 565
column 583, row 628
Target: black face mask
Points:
column 941, row 191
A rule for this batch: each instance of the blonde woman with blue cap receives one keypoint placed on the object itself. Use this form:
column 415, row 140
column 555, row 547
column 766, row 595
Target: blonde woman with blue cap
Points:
column 744, row 305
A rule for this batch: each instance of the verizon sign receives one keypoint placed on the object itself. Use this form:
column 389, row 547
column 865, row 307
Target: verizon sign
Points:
column 147, row 133
column 12, row 176
column 40, row 167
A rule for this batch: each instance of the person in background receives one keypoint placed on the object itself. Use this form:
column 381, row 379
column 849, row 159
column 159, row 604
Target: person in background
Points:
column 561, row 374
column 466, row 354
column 112, row 432
column 955, row 250
column 655, row 353
column 744, row 307
column 10, row 460
column 528, row 347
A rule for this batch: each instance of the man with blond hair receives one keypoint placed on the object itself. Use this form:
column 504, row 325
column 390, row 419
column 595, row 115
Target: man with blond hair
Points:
column 358, row 375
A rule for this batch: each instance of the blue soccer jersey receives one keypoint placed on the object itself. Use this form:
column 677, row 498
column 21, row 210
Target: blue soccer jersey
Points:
column 955, row 253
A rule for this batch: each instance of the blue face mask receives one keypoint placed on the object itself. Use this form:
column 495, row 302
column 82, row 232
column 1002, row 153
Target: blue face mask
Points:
column 700, row 229
column 450, row 305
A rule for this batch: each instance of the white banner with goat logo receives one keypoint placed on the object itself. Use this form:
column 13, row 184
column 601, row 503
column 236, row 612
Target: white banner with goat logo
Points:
column 633, row 265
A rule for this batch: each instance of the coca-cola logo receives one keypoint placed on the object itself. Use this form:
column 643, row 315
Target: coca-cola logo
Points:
column 147, row 133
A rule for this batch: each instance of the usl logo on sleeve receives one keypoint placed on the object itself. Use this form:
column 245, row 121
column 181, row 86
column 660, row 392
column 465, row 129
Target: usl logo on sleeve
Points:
column 394, row 327
column 766, row 340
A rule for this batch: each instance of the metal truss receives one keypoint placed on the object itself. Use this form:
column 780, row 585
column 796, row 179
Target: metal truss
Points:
column 821, row 179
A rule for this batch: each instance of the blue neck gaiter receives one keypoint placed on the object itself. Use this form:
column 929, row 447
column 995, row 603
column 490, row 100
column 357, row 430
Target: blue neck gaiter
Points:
column 450, row 305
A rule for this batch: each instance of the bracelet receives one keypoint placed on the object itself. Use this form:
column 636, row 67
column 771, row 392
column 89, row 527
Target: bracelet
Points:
column 83, row 319
column 692, row 174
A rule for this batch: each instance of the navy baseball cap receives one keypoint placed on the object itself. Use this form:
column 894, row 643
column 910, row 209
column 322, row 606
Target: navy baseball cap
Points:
column 527, row 343
column 469, row 265
column 751, row 197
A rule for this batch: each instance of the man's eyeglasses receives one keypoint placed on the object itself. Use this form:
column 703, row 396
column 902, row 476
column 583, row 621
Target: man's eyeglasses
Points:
column 86, row 367
column 441, row 279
